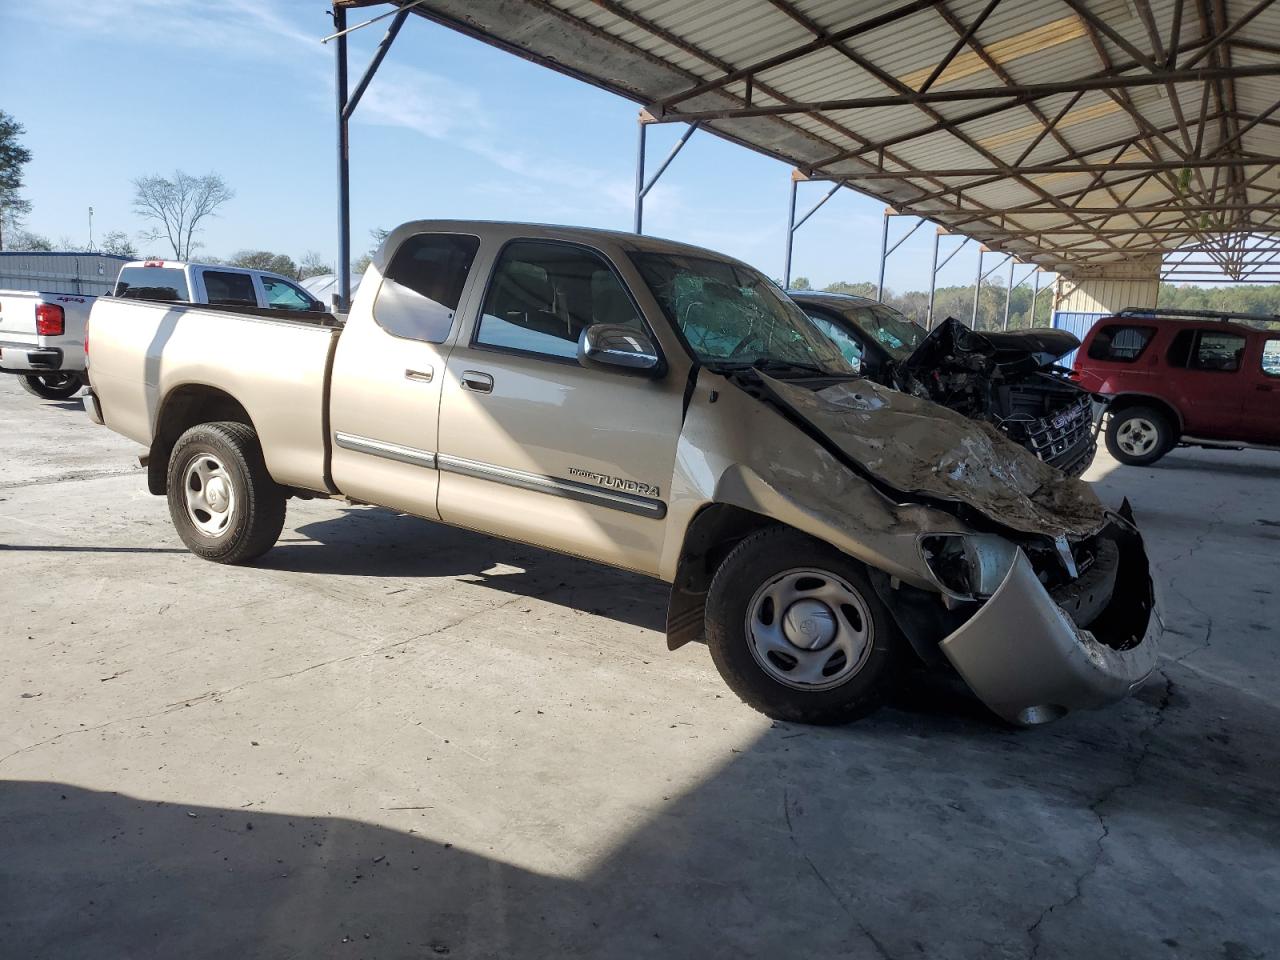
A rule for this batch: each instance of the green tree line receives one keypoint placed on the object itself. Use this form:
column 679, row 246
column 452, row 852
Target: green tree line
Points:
column 1257, row 299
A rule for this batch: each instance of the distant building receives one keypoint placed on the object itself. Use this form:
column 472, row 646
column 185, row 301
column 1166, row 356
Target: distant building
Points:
column 88, row 274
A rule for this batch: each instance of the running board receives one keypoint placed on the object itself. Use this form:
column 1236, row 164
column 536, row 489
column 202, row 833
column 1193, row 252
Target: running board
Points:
column 1223, row 444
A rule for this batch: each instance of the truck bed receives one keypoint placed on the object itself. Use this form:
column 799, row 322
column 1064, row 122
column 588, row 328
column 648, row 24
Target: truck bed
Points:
column 272, row 363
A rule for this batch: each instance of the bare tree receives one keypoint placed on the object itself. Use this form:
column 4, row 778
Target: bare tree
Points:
column 313, row 265
column 176, row 205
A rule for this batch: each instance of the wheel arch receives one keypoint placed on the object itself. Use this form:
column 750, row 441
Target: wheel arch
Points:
column 183, row 407
column 712, row 533
column 1124, row 401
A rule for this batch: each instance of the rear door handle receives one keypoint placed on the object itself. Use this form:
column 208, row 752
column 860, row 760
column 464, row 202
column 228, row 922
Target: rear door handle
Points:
column 477, row 382
column 423, row 376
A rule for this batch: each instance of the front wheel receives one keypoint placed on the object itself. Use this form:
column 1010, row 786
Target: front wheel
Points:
column 222, row 500
column 797, row 631
column 52, row 386
column 1139, row 436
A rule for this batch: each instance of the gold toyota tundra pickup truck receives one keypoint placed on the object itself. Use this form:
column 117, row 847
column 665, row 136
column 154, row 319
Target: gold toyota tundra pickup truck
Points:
column 660, row 408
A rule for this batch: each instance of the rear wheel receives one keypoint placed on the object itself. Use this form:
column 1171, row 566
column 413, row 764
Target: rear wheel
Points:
column 1139, row 435
column 223, row 503
column 52, row 386
column 797, row 631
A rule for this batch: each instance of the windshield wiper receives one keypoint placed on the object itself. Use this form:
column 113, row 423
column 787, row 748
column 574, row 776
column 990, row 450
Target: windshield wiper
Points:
column 774, row 365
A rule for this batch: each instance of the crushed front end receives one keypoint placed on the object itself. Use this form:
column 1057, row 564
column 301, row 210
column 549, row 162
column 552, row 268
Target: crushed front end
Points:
column 1010, row 380
column 1049, row 640
column 1039, row 597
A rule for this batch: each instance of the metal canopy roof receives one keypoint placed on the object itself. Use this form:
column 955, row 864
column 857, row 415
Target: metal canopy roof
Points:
column 1068, row 132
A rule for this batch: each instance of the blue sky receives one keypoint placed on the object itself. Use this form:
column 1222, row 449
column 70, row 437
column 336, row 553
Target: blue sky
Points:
column 450, row 128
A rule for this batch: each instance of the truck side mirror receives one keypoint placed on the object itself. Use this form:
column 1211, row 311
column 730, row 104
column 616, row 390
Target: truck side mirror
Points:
column 620, row 348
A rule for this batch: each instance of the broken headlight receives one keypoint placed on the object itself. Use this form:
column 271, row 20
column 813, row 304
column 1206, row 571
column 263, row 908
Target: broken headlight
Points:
column 968, row 565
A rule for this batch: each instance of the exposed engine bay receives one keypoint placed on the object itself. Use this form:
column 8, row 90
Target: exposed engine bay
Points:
column 1009, row 380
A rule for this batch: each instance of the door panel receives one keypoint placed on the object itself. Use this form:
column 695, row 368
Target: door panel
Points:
column 1207, row 381
column 385, row 403
column 1262, row 392
column 534, row 446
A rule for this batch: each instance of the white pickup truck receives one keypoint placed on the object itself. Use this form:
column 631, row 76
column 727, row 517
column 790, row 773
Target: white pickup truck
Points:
column 663, row 409
column 42, row 341
column 42, row 335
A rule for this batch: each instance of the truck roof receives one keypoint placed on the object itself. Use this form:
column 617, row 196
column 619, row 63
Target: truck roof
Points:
column 502, row 229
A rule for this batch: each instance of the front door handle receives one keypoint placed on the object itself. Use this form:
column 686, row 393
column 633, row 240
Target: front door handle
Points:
column 477, row 382
column 423, row 376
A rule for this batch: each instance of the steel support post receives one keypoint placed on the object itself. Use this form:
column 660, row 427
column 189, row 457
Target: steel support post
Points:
column 884, row 254
column 791, row 236
column 642, row 128
column 644, row 186
column 1035, row 299
column 977, row 287
column 342, row 296
column 933, row 279
column 1008, row 297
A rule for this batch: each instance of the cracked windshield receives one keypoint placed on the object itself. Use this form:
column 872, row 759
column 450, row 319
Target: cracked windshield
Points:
column 731, row 316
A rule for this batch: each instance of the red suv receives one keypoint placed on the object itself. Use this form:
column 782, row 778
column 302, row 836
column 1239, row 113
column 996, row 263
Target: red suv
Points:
column 1195, row 378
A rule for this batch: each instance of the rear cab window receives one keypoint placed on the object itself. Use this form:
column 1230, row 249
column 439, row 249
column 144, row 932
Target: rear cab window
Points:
column 226, row 288
column 423, row 284
column 166, row 284
column 1120, row 343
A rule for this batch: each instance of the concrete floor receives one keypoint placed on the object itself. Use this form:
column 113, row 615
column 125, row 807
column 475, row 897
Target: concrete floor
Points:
column 393, row 739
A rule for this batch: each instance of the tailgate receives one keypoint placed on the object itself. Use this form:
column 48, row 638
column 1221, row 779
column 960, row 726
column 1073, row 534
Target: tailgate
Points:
column 18, row 319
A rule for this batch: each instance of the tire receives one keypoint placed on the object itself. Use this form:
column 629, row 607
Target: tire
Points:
column 52, row 386
column 773, row 567
column 224, row 504
column 1139, row 436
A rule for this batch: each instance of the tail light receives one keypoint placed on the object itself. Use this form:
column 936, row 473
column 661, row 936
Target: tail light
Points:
column 50, row 320
column 86, row 338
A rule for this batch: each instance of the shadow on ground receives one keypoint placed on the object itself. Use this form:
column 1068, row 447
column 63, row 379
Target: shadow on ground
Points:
column 903, row 836
column 370, row 542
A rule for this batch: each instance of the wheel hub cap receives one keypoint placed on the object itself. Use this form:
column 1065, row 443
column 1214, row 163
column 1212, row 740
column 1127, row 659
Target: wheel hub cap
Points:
column 809, row 624
column 218, row 494
column 210, row 497
column 809, row 629
column 1137, row 436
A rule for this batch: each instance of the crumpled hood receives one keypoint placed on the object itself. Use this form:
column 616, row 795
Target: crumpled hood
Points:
column 918, row 447
column 952, row 343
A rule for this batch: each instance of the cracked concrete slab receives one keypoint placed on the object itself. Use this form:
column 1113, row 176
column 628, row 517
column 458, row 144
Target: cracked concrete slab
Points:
column 392, row 739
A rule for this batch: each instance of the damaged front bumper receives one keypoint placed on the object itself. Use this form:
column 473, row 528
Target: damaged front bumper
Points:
column 1027, row 660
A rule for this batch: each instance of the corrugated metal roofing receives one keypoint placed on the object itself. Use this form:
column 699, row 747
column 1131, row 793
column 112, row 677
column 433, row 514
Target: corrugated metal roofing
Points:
column 1052, row 174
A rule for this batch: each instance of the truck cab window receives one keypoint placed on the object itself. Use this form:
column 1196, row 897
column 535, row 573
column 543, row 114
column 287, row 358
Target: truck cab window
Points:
column 544, row 294
column 282, row 295
column 166, row 284
column 850, row 348
column 423, row 284
column 233, row 289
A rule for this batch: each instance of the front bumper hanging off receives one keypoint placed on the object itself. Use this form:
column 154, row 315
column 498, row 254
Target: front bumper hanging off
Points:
column 1027, row 660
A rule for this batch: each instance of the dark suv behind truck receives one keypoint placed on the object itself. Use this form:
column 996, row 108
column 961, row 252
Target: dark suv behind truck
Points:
column 1192, row 378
